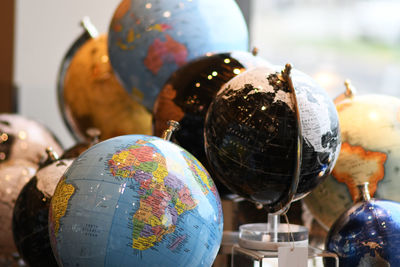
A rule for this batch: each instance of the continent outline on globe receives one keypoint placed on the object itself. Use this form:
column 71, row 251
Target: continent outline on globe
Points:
column 158, row 211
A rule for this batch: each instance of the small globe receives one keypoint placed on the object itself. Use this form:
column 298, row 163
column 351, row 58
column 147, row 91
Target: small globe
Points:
column 188, row 93
column 14, row 174
column 135, row 200
column 251, row 134
column 368, row 234
column 370, row 127
column 30, row 215
column 90, row 96
column 149, row 40
column 23, row 138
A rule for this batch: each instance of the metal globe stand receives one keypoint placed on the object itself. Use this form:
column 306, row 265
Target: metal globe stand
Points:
column 260, row 241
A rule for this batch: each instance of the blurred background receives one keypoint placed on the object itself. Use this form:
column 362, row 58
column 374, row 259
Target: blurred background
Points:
column 331, row 40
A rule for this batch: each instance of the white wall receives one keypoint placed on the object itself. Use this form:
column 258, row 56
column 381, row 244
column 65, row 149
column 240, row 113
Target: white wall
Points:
column 45, row 29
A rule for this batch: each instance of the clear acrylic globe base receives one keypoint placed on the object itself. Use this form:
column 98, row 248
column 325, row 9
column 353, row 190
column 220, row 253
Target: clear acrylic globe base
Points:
column 257, row 244
column 272, row 235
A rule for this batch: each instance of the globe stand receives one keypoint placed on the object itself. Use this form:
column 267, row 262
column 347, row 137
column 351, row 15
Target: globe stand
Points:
column 260, row 241
column 272, row 235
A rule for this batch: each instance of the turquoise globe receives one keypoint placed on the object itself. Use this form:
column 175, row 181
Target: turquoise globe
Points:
column 149, row 40
column 135, row 200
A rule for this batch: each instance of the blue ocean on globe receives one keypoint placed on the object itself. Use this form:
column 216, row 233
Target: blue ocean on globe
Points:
column 368, row 234
column 136, row 201
column 149, row 40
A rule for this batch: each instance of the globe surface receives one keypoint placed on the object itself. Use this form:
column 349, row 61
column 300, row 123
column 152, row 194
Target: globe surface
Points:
column 368, row 234
column 23, row 138
column 370, row 127
column 92, row 97
column 136, row 200
column 188, row 93
column 251, row 136
column 14, row 174
column 149, row 40
column 30, row 215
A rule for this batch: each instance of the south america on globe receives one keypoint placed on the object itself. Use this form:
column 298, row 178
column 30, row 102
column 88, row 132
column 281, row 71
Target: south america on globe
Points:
column 149, row 40
column 370, row 129
column 251, row 134
column 136, row 200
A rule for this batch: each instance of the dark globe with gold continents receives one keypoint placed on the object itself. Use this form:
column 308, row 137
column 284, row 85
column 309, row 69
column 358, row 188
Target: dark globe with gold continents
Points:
column 187, row 94
column 252, row 130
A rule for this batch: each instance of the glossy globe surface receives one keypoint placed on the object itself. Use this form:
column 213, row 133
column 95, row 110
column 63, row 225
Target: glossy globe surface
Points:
column 92, row 97
column 149, row 40
column 14, row 174
column 188, row 93
column 370, row 127
column 139, row 201
column 30, row 215
column 251, row 136
column 23, row 138
column 368, row 234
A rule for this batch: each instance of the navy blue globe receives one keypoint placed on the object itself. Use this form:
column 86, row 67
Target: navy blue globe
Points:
column 368, row 234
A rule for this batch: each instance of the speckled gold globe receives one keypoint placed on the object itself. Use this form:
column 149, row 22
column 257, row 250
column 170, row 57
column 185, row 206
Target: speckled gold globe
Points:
column 93, row 98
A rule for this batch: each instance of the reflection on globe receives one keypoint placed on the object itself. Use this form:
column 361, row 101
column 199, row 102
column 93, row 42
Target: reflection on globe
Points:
column 92, row 97
column 149, row 40
column 188, row 93
column 135, row 201
column 23, row 138
column 30, row 215
column 368, row 234
column 14, row 174
column 370, row 127
column 251, row 133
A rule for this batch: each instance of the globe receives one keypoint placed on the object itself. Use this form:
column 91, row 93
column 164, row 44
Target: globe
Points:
column 368, row 234
column 149, row 40
column 90, row 96
column 135, row 200
column 188, row 93
column 251, row 134
column 370, row 152
column 24, row 138
column 30, row 215
column 14, row 174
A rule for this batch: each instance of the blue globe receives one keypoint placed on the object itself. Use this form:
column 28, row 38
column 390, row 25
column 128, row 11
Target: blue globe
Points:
column 368, row 234
column 148, row 40
column 135, row 201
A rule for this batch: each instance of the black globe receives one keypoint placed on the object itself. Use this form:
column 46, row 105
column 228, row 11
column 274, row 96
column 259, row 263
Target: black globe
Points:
column 187, row 94
column 30, row 215
column 251, row 136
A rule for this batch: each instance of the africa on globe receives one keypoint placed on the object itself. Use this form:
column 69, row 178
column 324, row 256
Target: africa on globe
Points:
column 136, row 200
